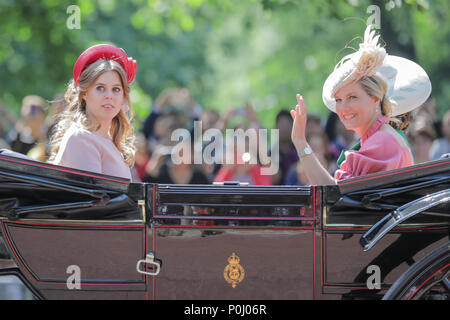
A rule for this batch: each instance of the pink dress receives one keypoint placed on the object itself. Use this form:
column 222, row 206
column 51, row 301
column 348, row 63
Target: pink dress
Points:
column 380, row 151
column 85, row 150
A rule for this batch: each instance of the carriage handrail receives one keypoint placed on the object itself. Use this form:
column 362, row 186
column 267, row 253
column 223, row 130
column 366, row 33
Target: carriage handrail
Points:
column 19, row 212
column 367, row 199
column 98, row 194
column 374, row 234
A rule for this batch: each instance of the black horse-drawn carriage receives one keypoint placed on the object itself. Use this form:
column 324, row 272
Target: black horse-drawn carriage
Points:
column 70, row 234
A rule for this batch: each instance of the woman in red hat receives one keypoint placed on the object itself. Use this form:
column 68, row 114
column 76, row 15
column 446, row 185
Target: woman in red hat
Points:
column 95, row 133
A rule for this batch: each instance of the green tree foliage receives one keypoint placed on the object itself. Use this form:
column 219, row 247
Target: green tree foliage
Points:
column 227, row 52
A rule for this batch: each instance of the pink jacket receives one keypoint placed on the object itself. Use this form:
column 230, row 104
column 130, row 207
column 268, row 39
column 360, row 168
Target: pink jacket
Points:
column 380, row 151
column 85, row 150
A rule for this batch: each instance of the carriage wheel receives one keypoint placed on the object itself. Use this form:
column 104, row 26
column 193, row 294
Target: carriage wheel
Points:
column 427, row 279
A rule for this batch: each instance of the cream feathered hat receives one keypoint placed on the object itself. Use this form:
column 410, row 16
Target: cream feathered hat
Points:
column 408, row 84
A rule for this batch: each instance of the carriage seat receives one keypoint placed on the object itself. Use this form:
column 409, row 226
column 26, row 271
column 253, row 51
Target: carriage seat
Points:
column 7, row 152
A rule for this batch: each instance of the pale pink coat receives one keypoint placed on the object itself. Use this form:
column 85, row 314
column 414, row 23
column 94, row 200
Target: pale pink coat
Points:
column 380, row 151
column 85, row 150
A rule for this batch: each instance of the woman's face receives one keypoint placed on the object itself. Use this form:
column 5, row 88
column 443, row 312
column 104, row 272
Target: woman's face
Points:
column 356, row 109
column 105, row 97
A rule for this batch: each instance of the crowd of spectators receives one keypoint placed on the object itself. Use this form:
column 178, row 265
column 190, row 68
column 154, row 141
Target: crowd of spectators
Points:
column 175, row 108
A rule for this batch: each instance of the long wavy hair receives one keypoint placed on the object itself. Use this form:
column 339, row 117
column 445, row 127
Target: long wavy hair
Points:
column 121, row 130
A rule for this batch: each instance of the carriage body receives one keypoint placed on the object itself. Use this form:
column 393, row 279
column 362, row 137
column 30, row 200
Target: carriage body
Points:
column 70, row 234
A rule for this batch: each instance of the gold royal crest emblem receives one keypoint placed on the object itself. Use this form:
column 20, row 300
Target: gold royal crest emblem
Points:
column 234, row 273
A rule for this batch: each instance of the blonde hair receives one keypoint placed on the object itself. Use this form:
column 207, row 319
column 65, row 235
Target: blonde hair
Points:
column 377, row 86
column 121, row 129
column 33, row 100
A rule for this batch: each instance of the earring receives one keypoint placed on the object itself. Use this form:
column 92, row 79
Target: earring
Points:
column 379, row 110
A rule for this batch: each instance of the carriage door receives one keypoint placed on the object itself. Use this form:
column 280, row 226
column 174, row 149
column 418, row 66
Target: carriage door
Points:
column 233, row 242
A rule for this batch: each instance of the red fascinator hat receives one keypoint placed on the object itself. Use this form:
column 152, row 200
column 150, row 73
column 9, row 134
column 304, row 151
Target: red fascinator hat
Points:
column 108, row 52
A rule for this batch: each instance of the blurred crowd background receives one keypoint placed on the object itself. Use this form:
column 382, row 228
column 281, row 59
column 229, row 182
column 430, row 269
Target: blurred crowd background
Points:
column 175, row 108
column 231, row 64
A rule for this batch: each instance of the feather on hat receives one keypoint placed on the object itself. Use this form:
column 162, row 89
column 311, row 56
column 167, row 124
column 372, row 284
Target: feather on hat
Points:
column 408, row 84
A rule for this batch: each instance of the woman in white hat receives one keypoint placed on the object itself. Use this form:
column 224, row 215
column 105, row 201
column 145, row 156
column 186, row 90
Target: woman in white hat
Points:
column 367, row 89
